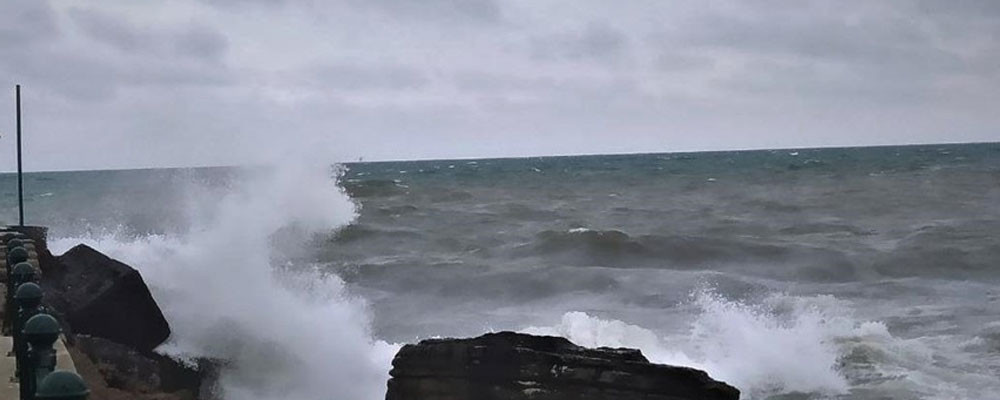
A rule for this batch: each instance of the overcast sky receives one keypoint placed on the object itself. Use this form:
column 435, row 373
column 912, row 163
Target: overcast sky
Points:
column 125, row 83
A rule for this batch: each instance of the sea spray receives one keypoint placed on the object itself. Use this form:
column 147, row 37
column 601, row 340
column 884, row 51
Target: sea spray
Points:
column 769, row 351
column 282, row 336
column 588, row 331
column 760, row 350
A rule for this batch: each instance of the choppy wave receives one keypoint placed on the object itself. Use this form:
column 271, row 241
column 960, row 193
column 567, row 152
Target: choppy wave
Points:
column 373, row 188
column 617, row 248
column 359, row 232
column 948, row 253
column 497, row 244
column 812, row 346
column 810, row 227
column 967, row 251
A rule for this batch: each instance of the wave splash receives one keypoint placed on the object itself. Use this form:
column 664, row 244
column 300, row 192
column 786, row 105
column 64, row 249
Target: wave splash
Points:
column 283, row 335
column 807, row 347
column 759, row 351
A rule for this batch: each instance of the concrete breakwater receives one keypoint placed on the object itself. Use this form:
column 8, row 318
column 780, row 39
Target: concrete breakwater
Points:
column 36, row 363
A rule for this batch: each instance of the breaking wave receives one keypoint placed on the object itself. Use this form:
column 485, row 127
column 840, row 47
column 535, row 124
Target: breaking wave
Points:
column 787, row 344
column 759, row 352
column 232, row 290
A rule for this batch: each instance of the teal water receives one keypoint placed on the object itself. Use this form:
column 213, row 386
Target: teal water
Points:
column 849, row 273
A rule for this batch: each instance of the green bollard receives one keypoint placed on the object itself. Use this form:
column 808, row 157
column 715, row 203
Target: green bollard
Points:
column 16, row 255
column 27, row 298
column 29, row 302
column 21, row 273
column 12, row 242
column 62, row 385
column 41, row 332
column 15, row 242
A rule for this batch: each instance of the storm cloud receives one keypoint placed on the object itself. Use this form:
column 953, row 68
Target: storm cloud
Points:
column 204, row 82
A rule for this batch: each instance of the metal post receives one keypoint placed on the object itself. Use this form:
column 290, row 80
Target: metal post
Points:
column 15, row 256
column 20, row 183
column 28, row 298
column 41, row 331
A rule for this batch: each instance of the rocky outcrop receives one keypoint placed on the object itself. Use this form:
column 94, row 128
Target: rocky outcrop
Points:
column 102, row 297
column 121, row 367
column 112, row 324
column 511, row 366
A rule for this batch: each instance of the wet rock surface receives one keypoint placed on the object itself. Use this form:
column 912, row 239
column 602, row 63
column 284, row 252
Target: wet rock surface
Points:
column 102, row 297
column 112, row 324
column 125, row 368
column 508, row 365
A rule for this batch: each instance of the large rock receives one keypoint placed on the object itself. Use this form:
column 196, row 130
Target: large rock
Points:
column 123, row 368
column 103, row 297
column 511, row 366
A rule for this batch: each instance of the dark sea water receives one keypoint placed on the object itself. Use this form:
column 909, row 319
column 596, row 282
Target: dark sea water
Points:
column 853, row 273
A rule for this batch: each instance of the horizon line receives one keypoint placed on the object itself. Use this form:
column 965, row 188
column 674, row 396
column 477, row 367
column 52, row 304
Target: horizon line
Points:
column 623, row 153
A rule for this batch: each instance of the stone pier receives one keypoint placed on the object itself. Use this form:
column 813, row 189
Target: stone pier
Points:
column 8, row 381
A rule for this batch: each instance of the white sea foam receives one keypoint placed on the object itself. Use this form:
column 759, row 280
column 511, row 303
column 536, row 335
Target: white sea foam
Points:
column 798, row 344
column 285, row 336
column 766, row 352
column 760, row 352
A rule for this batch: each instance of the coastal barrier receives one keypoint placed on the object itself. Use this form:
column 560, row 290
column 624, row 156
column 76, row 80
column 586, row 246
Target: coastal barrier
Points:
column 36, row 364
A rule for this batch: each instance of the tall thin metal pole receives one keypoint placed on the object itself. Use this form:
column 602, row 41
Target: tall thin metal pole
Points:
column 20, row 182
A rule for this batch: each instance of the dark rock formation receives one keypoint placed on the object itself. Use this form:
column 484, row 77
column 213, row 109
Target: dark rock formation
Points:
column 112, row 324
column 123, row 368
column 510, row 366
column 102, row 297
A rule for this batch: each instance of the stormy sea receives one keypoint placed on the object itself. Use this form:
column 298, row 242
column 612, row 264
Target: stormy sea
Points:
column 837, row 273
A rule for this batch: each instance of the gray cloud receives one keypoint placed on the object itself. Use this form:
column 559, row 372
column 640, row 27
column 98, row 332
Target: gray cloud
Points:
column 884, row 41
column 452, row 11
column 27, row 21
column 121, row 55
column 963, row 8
column 456, row 11
column 191, row 40
column 200, row 41
column 516, row 92
column 237, row 3
column 807, row 82
column 111, row 31
column 679, row 61
column 91, row 77
column 806, row 54
column 470, row 78
column 594, row 41
column 358, row 77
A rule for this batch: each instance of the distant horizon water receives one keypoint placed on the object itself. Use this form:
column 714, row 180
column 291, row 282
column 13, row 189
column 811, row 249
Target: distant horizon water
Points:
column 362, row 159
